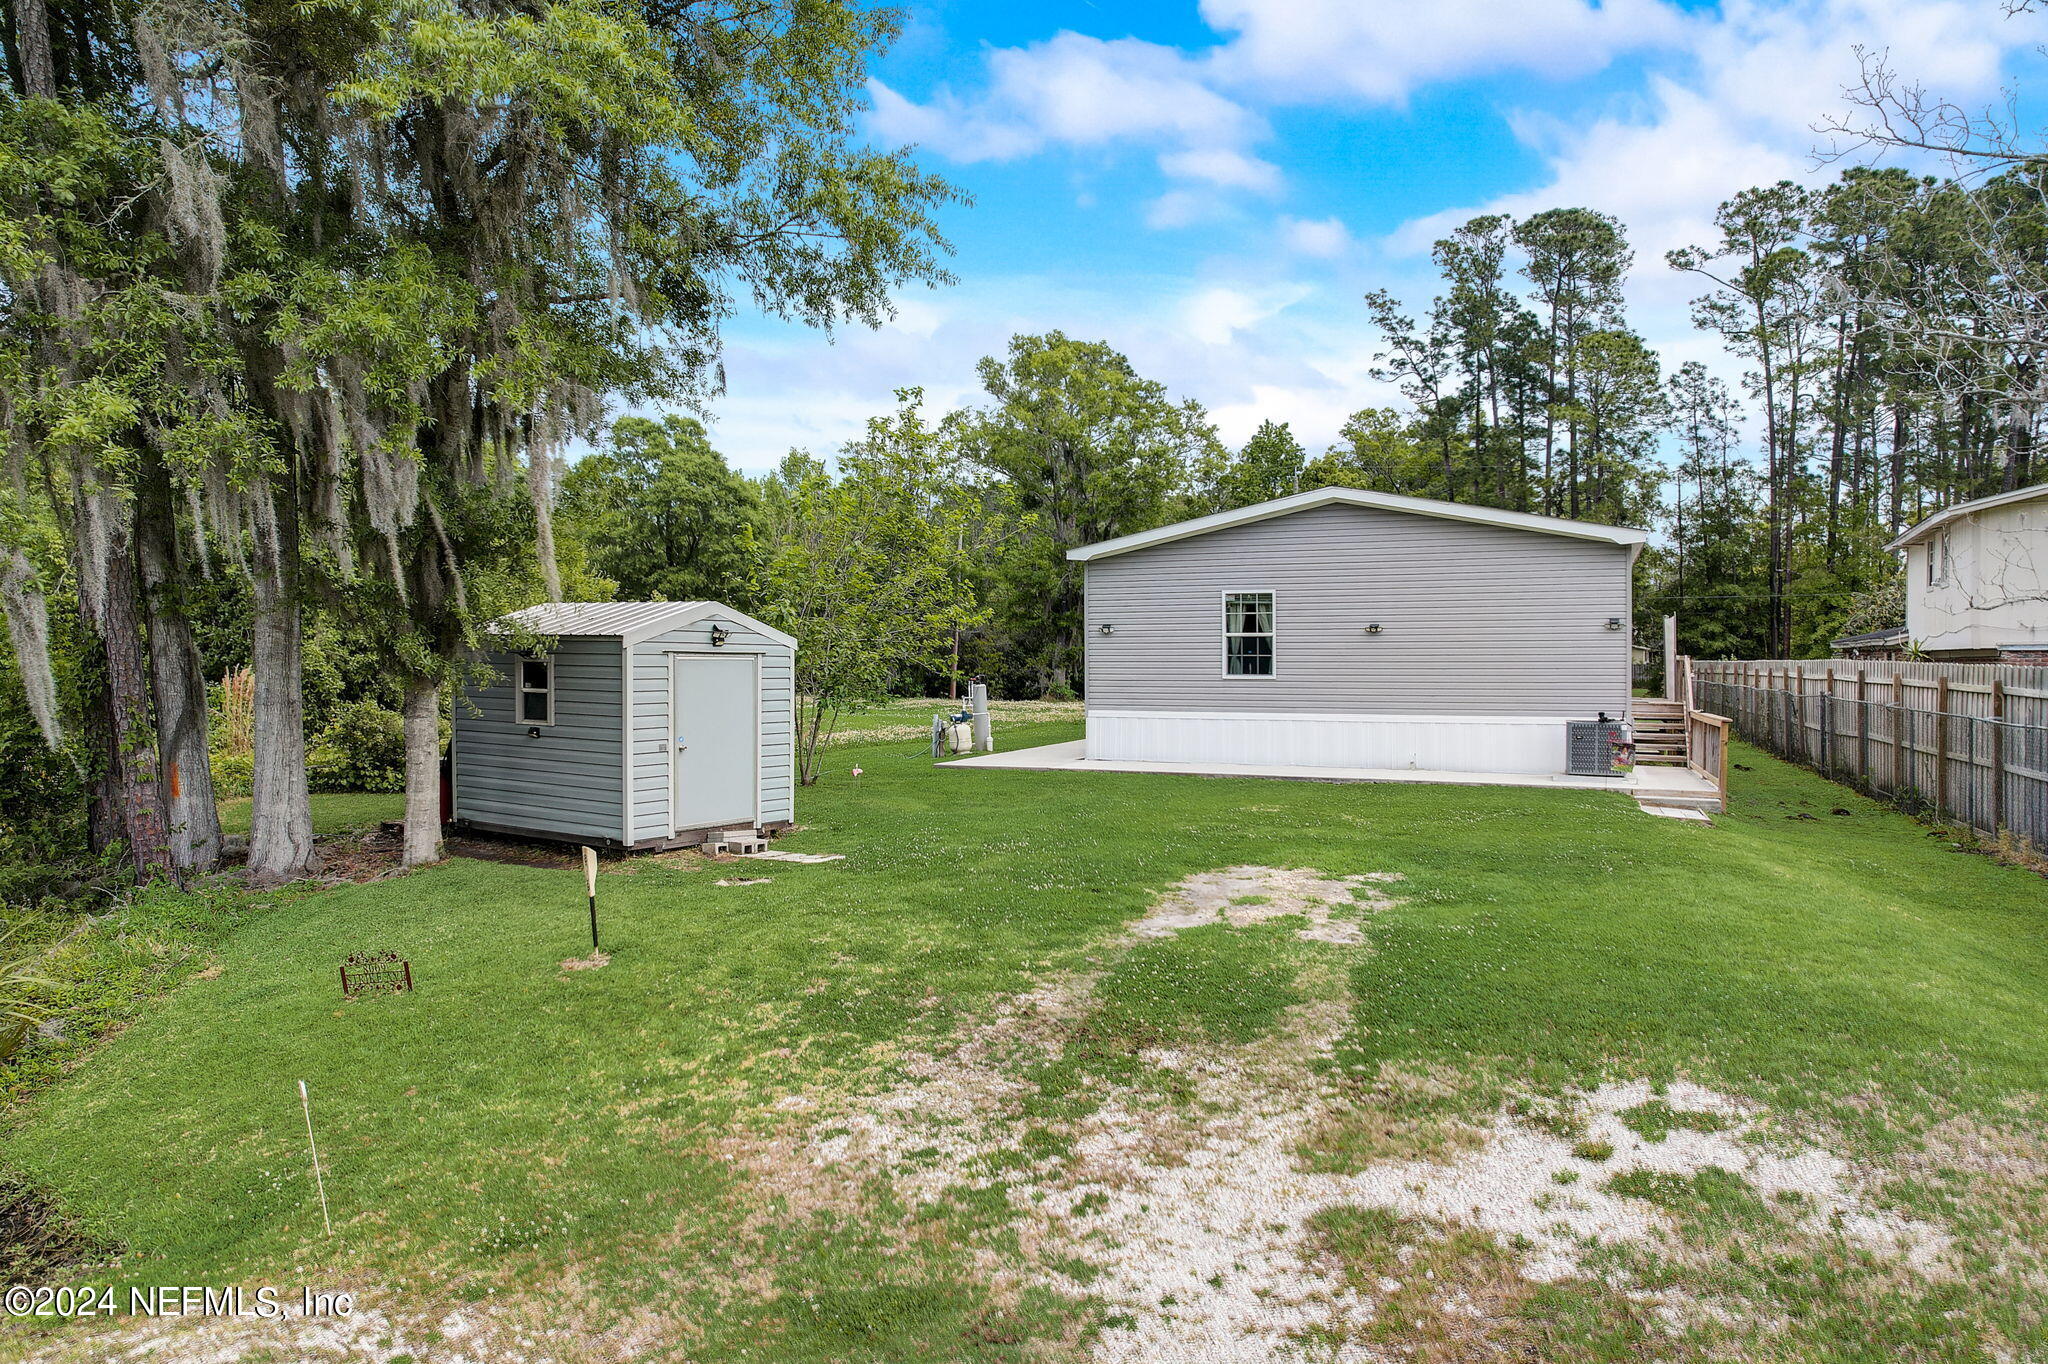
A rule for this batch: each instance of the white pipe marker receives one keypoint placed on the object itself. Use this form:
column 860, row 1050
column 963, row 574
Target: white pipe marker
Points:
column 319, row 1182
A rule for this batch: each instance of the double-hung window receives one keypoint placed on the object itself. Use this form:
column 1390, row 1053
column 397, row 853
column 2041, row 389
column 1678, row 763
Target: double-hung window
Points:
column 536, row 691
column 1248, row 634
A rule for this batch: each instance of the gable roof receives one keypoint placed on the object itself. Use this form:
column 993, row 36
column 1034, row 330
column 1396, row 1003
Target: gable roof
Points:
column 1962, row 509
column 630, row 621
column 1358, row 497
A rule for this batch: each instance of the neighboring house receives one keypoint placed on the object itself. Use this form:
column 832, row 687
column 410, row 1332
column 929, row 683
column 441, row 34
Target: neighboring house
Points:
column 1977, row 580
column 629, row 724
column 1340, row 628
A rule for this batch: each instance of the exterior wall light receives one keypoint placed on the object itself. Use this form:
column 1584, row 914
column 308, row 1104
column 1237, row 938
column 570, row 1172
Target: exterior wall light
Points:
column 719, row 635
column 1373, row 628
column 1105, row 629
column 1614, row 622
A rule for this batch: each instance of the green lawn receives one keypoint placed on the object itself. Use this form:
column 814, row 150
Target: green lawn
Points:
column 340, row 813
column 610, row 1150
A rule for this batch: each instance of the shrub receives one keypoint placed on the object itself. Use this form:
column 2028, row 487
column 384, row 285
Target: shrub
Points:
column 233, row 773
column 362, row 749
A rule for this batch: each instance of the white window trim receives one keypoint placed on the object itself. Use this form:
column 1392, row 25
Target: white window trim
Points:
column 520, row 691
column 1226, row 634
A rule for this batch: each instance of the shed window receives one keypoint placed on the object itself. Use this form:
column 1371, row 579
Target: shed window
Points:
column 536, row 691
column 1248, row 634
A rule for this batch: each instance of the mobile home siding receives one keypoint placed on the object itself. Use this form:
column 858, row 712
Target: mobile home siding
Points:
column 567, row 781
column 654, row 728
column 1475, row 620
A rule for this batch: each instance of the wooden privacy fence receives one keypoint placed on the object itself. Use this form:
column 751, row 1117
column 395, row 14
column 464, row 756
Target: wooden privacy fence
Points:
column 1967, row 742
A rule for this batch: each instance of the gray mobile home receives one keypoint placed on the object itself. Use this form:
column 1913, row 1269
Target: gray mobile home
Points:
column 1341, row 628
column 629, row 724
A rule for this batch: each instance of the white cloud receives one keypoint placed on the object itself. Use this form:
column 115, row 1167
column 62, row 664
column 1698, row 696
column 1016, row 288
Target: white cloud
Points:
column 1382, row 49
column 1216, row 314
column 1181, row 208
column 1222, row 166
column 1071, row 90
column 1323, row 238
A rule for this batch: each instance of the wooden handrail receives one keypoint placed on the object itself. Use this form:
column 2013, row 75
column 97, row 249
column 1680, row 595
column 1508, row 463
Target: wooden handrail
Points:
column 1706, row 748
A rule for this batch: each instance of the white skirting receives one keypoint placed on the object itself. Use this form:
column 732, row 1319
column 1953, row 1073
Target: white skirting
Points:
column 1441, row 743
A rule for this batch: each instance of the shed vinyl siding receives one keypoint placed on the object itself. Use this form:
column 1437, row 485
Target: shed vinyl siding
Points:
column 567, row 781
column 654, row 729
column 1476, row 620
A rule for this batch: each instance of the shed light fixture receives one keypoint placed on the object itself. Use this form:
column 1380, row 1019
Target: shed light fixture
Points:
column 1105, row 628
column 1614, row 622
column 533, row 732
column 719, row 635
column 1373, row 628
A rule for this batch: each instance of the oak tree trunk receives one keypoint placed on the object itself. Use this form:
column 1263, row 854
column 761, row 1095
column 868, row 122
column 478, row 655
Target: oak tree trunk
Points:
column 281, row 820
column 128, row 797
column 181, row 732
column 32, row 41
column 422, row 709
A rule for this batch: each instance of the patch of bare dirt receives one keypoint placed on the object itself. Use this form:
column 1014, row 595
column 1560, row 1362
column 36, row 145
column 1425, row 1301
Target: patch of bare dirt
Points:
column 1249, row 895
column 1192, row 1221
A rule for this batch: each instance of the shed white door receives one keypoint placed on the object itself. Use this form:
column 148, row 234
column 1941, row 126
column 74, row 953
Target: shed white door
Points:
column 716, row 710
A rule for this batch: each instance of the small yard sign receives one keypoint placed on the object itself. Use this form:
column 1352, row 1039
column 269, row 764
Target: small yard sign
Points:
column 375, row 973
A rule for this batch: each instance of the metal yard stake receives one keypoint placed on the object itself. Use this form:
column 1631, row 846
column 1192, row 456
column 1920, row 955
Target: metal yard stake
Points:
column 319, row 1182
column 590, row 884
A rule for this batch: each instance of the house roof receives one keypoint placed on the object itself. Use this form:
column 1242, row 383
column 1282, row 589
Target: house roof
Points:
column 1962, row 509
column 629, row 621
column 1357, row 497
column 1895, row 635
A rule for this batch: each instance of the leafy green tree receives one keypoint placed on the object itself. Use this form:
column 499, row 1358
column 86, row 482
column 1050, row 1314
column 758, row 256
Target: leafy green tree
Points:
column 1270, row 465
column 1620, row 412
column 867, row 570
column 1375, row 449
column 1762, row 305
column 658, row 512
column 342, row 264
column 1491, row 334
column 1092, row 451
column 1577, row 260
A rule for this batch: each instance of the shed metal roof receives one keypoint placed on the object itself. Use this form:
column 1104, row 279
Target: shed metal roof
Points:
column 1358, row 497
column 1962, row 509
column 629, row 621
column 611, row 618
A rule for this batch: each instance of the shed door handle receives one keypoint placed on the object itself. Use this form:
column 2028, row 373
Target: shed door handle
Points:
column 680, row 743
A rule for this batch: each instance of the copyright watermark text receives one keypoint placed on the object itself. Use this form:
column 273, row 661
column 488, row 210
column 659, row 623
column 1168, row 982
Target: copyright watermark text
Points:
column 172, row 1300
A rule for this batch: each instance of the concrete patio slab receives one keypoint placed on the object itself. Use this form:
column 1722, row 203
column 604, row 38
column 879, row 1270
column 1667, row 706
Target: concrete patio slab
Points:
column 1668, row 786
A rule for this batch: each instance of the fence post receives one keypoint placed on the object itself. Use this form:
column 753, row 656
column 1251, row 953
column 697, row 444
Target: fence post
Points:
column 1898, row 734
column 1827, row 725
column 1940, row 746
column 1862, row 730
column 1997, row 756
column 1797, row 677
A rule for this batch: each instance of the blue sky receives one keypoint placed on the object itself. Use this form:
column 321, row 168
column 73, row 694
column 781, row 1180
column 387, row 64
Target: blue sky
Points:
column 1210, row 186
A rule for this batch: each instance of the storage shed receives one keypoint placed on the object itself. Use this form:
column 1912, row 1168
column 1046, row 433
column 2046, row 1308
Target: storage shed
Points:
column 1353, row 629
column 629, row 724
